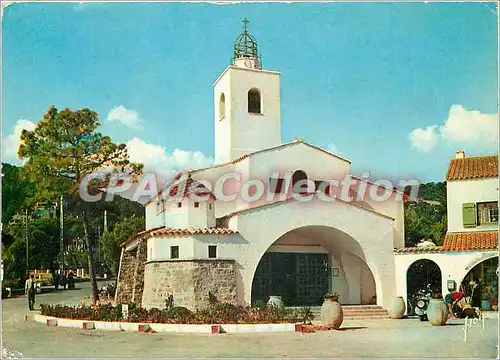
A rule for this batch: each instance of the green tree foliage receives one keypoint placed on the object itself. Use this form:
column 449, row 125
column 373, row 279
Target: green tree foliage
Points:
column 111, row 240
column 42, row 237
column 63, row 149
column 426, row 218
column 14, row 192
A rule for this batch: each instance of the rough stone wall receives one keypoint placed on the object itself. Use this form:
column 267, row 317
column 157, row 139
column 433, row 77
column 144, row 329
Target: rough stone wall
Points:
column 189, row 281
column 140, row 262
column 130, row 282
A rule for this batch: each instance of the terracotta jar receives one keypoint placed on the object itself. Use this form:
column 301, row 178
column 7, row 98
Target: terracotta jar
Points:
column 332, row 314
column 275, row 301
column 397, row 307
column 437, row 312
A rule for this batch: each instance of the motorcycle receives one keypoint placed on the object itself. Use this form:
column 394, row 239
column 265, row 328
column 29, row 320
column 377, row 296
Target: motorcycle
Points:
column 421, row 301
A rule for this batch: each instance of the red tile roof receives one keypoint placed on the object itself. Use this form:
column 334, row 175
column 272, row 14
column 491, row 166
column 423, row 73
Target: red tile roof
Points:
column 473, row 168
column 416, row 250
column 471, row 241
column 139, row 235
column 190, row 187
column 159, row 231
column 193, row 231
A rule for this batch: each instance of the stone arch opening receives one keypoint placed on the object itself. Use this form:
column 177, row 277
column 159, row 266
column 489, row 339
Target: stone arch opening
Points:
column 305, row 263
column 423, row 274
column 297, row 176
column 481, row 283
column 222, row 106
column 254, row 101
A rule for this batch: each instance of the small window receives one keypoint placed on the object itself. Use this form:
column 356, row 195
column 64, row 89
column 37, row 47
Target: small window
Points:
column 174, row 252
column 487, row 213
column 209, row 206
column 196, row 204
column 254, row 101
column 179, row 205
column 297, row 176
column 222, row 106
column 212, row 251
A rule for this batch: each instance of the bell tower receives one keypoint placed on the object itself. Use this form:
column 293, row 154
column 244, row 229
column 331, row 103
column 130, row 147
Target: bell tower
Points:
column 246, row 103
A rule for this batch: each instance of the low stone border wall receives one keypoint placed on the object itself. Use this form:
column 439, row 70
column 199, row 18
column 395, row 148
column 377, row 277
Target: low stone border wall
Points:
column 183, row 328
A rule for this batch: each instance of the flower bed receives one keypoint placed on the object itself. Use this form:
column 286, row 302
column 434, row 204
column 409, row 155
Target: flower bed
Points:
column 220, row 313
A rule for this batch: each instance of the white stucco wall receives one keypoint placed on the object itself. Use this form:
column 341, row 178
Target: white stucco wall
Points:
column 153, row 218
column 467, row 191
column 159, row 247
column 393, row 206
column 247, row 132
column 453, row 265
column 194, row 246
column 374, row 234
column 222, row 126
column 259, row 229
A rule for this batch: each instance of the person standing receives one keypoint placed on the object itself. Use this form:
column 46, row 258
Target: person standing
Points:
column 55, row 279
column 29, row 289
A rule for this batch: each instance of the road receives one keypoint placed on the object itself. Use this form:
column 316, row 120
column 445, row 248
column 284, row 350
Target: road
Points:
column 359, row 338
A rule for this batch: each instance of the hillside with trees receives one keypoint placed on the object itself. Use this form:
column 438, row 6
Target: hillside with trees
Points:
column 425, row 218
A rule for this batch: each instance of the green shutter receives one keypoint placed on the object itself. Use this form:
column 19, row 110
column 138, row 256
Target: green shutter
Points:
column 469, row 214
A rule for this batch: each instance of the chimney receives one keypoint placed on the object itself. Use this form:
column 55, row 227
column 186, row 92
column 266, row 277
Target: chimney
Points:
column 459, row 154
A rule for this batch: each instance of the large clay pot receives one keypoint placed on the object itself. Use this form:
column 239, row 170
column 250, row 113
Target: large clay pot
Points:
column 397, row 307
column 437, row 312
column 275, row 301
column 332, row 314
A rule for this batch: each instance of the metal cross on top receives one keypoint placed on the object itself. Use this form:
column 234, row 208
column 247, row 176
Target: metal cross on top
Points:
column 245, row 22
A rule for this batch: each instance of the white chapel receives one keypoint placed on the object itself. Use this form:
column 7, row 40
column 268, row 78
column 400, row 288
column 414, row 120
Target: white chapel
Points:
column 275, row 241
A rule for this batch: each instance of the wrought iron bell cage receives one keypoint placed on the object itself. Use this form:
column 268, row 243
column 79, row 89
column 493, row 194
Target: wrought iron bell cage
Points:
column 245, row 46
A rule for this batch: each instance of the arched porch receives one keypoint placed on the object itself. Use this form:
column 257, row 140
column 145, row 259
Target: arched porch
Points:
column 454, row 266
column 356, row 241
column 307, row 262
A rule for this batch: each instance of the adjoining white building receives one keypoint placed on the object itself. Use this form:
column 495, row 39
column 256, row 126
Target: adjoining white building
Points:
column 245, row 250
column 472, row 237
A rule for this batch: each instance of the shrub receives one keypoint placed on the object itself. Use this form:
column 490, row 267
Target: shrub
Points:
column 216, row 313
column 334, row 296
column 180, row 314
column 437, row 296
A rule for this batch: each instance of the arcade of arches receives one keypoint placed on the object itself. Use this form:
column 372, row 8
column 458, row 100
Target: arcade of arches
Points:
column 444, row 272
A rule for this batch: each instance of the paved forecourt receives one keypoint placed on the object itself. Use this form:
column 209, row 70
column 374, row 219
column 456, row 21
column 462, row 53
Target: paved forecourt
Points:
column 357, row 338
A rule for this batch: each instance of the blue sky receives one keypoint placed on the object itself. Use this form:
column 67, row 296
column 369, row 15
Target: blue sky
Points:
column 394, row 87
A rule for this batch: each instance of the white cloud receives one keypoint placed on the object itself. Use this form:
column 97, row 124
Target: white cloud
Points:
column 469, row 127
column 462, row 128
column 155, row 157
column 11, row 142
column 424, row 140
column 129, row 118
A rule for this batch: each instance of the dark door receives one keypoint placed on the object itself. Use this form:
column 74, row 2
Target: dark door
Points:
column 299, row 278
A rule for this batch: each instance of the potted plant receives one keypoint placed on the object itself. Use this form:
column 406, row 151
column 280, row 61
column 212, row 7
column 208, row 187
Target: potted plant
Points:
column 437, row 310
column 332, row 314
